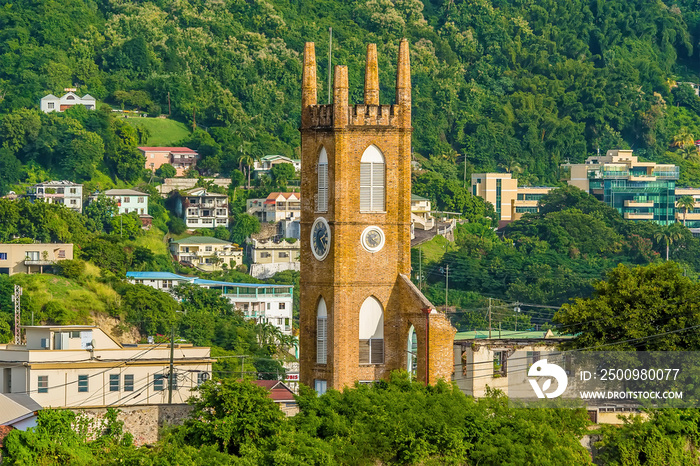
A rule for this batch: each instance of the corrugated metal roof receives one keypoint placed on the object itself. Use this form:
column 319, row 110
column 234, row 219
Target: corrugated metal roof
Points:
column 168, row 149
column 158, row 276
column 15, row 405
column 201, row 281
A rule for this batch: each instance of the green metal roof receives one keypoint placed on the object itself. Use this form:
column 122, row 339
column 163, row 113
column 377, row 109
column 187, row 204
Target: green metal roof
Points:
column 416, row 197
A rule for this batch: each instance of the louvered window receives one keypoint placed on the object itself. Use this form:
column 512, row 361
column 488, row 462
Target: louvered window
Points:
column 372, row 181
column 321, row 332
column 371, row 349
column 322, row 193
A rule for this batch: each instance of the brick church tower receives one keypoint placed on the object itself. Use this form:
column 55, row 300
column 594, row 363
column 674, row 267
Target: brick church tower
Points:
column 361, row 317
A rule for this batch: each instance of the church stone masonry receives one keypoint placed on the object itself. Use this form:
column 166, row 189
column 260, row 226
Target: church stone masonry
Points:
column 367, row 252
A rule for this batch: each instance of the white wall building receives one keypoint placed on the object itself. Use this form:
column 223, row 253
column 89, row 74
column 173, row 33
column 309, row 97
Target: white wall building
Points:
column 58, row 192
column 51, row 103
column 258, row 301
column 265, row 164
column 129, row 201
column 202, row 209
column 74, row 366
column 276, row 207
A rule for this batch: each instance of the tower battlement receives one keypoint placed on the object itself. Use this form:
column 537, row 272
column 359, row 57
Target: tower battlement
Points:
column 321, row 116
column 341, row 113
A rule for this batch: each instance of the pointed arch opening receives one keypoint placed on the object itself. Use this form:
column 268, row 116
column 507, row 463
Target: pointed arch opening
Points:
column 371, row 332
column 322, row 181
column 412, row 351
column 321, row 332
column 372, row 180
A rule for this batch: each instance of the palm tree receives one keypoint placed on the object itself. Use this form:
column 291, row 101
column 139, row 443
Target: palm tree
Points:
column 668, row 234
column 686, row 203
column 683, row 138
column 689, row 152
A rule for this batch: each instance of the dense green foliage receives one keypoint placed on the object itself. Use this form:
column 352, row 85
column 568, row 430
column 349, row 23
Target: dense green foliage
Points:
column 546, row 258
column 520, row 85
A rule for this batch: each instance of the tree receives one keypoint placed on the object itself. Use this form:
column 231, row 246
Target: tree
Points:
column 100, row 212
column 166, row 171
column 281, row 173
column 244, row 226
column 10, row 170
column 82, row 154
column 686, row 203
column 668, row 235
column 633, row 304
column 233, row 415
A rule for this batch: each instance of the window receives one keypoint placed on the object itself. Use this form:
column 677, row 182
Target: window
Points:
column 207, row 248
column 321, row 333
column 320, row 386
column 32, row 255
column 281, row 306
column 159, row 382
column 268, row 306
column 280, row 321
column 73, row 190
column 264, row 255
column 371, row 332
column 126, row 211
column 282, row 254
column 193, row 220
column 43, row 385
column 140, row 200
column 322, row 192
column 126, row 199
column 129, row 382
column 500, row 366
column 74, row 334
column 372, row 180
column 82, row 383
column 3, row 256
column 167, row 283
column 51, row 106
column 113, row 382
column 61, row 253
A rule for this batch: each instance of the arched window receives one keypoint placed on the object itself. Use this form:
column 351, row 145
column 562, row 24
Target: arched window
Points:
column 372, row 180
column 321, row 332
column 371, row 332
column 322, row 193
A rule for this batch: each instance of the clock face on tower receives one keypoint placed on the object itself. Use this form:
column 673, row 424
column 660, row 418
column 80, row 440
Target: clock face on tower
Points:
column 320, row 238
column 372, row 239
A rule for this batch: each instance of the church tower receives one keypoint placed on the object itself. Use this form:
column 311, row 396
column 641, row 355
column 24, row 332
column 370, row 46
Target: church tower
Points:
column 361, row 317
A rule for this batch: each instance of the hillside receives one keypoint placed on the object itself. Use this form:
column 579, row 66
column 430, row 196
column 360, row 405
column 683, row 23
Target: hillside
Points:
column 161, row 131
column 508, row 84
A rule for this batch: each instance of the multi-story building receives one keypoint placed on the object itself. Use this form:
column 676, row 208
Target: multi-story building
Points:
column 69, row 366
column 691, row 217
column 261, row 302
column 258, row 301
column 509, row 200
column 203, row 209
column 206, row 252
column 276, row 207
column 638, row 190
column 51, row 103
column 58, row 192
column 268, row 257
column 32, row 257
column 182, row 158
column 129, row 201
column 421, row 216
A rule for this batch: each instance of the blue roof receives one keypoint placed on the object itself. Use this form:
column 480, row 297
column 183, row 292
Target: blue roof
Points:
column 158, row 276
column 201, row 281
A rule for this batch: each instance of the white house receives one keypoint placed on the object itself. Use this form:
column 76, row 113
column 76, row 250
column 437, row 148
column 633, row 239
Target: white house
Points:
column 51, row 103
column 58, row 192
column 276, row 207
column 265, row 164
column 258, row 301
column 203, row 209
column 70, row 366
column 206, row 252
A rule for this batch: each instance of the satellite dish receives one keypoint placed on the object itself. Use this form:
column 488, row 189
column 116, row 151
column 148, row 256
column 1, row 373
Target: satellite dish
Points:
column 92, row 344
column 205, row 376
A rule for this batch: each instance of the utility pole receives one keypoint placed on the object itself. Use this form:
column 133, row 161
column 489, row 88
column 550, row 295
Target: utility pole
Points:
column 242, row 364
column 465, row 173
column 330, row 43
column 16, row 300
column 194, row 118
column 169, row 110
column 489, row 317
column 172, row 369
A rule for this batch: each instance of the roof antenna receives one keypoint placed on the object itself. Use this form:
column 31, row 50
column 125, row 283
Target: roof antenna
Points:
column 330, row 43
